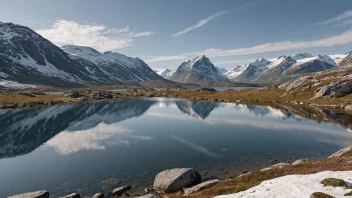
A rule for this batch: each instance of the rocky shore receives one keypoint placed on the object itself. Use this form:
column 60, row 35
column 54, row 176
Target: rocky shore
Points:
column 188, row 182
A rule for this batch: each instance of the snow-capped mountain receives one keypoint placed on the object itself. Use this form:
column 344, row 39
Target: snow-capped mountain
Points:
column 165, row 73
column 233, row 73
column 252, row 70
column 197, row 69
column 117, row 66
column 283, row 68
column 26, row 57
column 300, row 56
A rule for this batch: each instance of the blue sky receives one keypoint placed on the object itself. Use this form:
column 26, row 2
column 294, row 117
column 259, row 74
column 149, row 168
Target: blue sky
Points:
column 167, row 32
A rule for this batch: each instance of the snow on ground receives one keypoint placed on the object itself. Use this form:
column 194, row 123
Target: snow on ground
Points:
column 15, row 85
column 296, row 186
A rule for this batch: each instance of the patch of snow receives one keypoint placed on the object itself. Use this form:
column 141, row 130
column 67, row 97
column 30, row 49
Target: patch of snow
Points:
column 15, row 85
column 96, row 57
column 234, row 73
column 300, row 56
column 338, row 57
column 165, row 72
column 275, row 62
column 296, row 186
column 325, row 59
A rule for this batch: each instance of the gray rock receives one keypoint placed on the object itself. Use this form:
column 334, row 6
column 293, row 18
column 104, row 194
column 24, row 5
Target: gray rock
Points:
column 73, row 94
column 341, row 152
column 121, row 190
column 73, row 195
column 176, row 179
column 299, row 161
column 148, row 196
column 200, row 186
column 37, row 194
column 99, row 195
column 348, row 108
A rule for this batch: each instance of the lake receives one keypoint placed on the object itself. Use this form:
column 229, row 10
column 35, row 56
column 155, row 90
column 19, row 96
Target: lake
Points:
column 97, row 146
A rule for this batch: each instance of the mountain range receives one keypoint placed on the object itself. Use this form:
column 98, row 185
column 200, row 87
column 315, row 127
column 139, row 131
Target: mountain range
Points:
column 28, row 59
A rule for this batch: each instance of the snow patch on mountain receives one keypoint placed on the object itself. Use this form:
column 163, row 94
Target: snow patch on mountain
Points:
column 165, row 73
column 338, row 57
column 15, row 85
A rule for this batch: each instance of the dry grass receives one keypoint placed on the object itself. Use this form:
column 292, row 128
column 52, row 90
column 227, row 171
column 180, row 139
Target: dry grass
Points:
column 12, row 98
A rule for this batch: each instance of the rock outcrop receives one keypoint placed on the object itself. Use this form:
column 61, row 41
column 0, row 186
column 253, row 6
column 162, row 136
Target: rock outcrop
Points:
column 37, row 194
column 172, row 180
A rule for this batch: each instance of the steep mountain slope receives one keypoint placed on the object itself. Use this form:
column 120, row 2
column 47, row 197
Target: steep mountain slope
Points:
column 233, row 73
column 252, row 70
column 197, row 69
column 274, row 70
column 114, row 65
column 307, row 65
column 27, row 57
column 165, row 73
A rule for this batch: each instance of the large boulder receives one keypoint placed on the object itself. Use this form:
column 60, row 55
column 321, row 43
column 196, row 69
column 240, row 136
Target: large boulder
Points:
column 336, row 89
column 173, row 180
column 37, row 194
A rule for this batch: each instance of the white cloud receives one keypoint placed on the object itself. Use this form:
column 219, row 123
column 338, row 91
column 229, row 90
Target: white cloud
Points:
column 95, row 138
column 341, row 39
column 342, row 16
column 165, row 58
column 99, row 37
column 146, row 33
column 200, row 23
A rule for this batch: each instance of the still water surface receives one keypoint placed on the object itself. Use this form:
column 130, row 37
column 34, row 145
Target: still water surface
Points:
column 94, row 147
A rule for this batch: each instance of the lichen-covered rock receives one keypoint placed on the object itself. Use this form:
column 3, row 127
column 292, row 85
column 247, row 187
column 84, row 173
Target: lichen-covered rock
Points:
column 320, row 195
column 172, row 180
column 341, row 152
column 200, row 186
column 121, row 190
column 348, row 108
column 36, row 194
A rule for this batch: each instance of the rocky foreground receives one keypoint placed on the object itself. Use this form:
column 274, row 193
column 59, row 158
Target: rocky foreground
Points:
column 315, row 178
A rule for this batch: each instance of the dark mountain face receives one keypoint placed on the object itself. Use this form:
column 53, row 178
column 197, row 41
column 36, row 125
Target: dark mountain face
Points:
column 196, row 109
column 196, row 70
column 27, row 57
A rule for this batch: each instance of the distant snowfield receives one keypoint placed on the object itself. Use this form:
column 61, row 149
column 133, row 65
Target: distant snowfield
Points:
column 296, row 186
column 15, row 85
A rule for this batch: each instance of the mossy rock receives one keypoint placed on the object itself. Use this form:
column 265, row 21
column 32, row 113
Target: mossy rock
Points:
column 333, row 182
column 349, row 194
column 320, row 195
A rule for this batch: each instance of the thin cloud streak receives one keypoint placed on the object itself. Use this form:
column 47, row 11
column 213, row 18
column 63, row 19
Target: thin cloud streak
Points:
column 341, row 39
column 214, row 16
column 195, row 146
column 200, row 23
column 342, row 16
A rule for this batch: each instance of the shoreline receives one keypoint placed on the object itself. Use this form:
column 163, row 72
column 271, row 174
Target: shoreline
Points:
column 338, row 161
column 260, row 96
